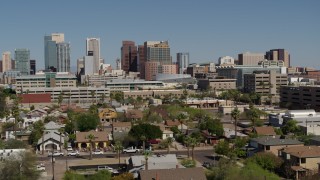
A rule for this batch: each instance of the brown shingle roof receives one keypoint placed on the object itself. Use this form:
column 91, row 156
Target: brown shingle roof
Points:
column 173, row 174
column 100, row 136
column 266, row 130
column 121, row 124
column 303, row 151
column 172, row 123
column 134, row 114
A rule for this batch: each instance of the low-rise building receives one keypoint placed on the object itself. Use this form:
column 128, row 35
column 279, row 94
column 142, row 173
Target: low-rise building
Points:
column 107, row 116
column 303, row 159
column 273, row 144
column 42, row 80
column 163, row 161
column 144, row 94
column 101, row 139
column 119, row 85
column 217, row 84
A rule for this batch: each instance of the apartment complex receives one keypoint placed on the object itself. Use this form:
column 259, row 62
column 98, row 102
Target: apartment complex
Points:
column 41, row 80
column 300, row 97
column 264, row 82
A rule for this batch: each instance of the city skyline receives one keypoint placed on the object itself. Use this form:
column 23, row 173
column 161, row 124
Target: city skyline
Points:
column 207, row 30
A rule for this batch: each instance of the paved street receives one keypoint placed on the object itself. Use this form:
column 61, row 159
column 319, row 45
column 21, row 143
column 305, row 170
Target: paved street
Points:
column 201, row 154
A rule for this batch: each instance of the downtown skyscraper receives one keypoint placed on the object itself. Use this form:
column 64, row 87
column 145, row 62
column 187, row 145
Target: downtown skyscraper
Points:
column 22, row 59
column 93, row 49
column 6, row 61
column 129, row 56
column 182, row 62
column 50, row 50
column 63, row 57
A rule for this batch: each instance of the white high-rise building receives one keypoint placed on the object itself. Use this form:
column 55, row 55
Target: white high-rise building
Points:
column 88, row 65
column 182, row 62
column 93, row 49
column 226, row 60
column 63, row 57
column 6, row 61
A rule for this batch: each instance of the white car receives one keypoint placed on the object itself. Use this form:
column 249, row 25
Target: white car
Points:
column 73, row 153
column 110, row 169
column 97, row 152
column 56, row 153
column 131, row 150
column 41, row 167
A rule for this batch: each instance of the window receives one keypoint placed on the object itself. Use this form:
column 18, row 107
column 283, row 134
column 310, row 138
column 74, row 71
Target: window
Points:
column 303, row 160
column 267, row 148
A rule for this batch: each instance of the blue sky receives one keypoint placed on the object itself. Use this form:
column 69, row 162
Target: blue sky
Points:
column 207, row 29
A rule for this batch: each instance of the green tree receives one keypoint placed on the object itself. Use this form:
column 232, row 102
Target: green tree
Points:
column 147, row 130
column 87, row 122
column 290, row 127
column 266, row 160
column 15, row 110
column 124, row 176
column 102, row 174
column 15, row 144
column 188, row 163
column 118, row 148
column 193, row 143
column 187, row 142
column 254, row 115
column 235, row 114
column 71, row 175
column 20, row 167
column 36, row 133
column 181, row 118
column 214, row 126
column 60, row 98
column 50, row 118
column 91, row 139
column 223, row 148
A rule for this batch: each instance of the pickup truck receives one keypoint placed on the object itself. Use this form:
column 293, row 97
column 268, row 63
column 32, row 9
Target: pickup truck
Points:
column 131, row 150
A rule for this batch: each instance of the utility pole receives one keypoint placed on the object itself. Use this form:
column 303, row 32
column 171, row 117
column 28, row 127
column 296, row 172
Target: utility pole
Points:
column 52, row 162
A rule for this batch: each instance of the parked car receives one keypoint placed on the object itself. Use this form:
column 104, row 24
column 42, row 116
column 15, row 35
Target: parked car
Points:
column 154, row 141
column 41, row 167
column 73, row 153
column 206, row 164
column 110, row 169
column 97, row 152
column 69, row 148
column 131, row 150
column 56, row 153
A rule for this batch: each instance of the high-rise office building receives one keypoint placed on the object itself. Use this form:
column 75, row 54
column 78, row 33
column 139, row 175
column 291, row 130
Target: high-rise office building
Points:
column 32, row 67
column 249, row 58
column 22, row 58
column 80, row 64
column 141, row 61
column 6, row 61
column 63, row 57
column 152, row 68
column 182, row 62
column 50, row 49
column 279, row 54
column 154, row 51
column 129, row 56
column 93, row 47
column 118, row 64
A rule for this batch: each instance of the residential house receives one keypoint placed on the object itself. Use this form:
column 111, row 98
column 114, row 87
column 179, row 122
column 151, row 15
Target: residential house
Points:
column 169, row 124
column 304, row 159
column 272, row 144
column 120, row 129
column 101, row 139
column 209, row 138
column 166, row 134
column 173, row 174
column 51, row 140
column 230, row 133
column 264, row 131
column 134, row 114
column 53, row 126
column 107, row 116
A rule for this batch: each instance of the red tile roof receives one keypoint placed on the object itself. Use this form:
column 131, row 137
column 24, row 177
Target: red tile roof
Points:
column 36, row 98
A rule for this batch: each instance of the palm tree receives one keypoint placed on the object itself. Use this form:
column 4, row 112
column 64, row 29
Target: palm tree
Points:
column 60, row 98
column 187, row 142
column 91, row 137
column 235, row 114
column 118, row 148
column 193, row 143
column 147, row 154
column 143, row 139
column 15, row 110
column 169, row 142
column 92, row 93
column 181, row 118
column 61, row 131
column 254, row 115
